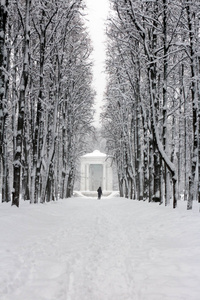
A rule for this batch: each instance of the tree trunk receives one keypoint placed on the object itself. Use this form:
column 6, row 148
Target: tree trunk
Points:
column 4, row 58
column 192, row 177
column 5, row 184
column 21, row 105
column 3, row 80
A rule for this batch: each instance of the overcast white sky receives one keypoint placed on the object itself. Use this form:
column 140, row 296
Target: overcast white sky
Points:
column 97, row 14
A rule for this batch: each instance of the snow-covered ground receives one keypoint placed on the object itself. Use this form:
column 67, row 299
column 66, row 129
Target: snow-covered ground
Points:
column 89, row 249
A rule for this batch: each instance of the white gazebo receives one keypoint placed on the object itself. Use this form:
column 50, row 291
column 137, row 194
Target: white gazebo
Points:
column 96, row 171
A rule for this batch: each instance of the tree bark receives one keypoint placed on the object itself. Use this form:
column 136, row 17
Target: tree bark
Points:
column 21, row 106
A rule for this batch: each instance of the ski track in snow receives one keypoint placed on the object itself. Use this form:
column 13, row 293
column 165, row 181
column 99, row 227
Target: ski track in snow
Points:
column 86, row 249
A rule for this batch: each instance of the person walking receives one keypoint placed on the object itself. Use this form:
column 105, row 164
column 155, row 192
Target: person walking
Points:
column 99, row 191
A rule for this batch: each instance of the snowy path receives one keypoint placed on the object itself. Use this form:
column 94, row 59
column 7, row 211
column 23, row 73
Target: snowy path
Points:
column 85, row 249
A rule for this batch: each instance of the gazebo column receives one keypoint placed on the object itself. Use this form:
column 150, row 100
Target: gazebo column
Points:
column 104, row 177
column 110, row 178
column 83, row 177
column 87, row 177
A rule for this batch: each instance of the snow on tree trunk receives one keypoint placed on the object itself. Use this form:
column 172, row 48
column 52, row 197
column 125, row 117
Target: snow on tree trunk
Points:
column 21, row 106
column 4, row 62
column 3, row 21
column 193, row 176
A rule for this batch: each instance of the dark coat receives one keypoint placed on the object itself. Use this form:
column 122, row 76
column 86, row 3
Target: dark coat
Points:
column 99, row 192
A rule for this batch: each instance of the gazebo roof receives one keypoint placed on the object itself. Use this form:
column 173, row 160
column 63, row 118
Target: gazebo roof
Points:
column 95, row 153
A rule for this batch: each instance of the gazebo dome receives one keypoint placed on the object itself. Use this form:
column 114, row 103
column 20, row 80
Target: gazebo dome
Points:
column 95, row 153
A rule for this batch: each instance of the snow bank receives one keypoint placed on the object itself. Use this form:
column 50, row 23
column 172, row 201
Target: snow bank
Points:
column 109, row 249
